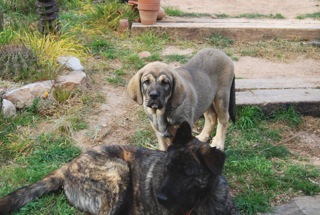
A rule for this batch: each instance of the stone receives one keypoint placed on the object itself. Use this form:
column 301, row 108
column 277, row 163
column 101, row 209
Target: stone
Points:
column 70, row 62
column 25, row 95
column 72, row 80
column 144, row 54
column 8, row 108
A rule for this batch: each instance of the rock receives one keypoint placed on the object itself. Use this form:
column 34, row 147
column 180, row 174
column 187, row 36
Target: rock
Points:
column 8, row 108
column 72, row 80
column 161, row 13
column 25, row 95
column 144, row 54
column 8, row 85
column 70, row 62
column 124, row 25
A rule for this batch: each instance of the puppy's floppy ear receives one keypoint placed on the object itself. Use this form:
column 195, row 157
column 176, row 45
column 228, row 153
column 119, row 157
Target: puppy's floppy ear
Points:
column 134, row 88
column 178, row 91
column 183, row 134
column 213, row 158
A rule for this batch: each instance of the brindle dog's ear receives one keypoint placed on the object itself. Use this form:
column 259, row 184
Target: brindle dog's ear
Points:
column 178, row 91
column 134, row 89
column 213, row 158
column 183, row 134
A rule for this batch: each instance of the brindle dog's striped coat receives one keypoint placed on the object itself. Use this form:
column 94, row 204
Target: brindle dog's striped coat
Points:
column 128, row 180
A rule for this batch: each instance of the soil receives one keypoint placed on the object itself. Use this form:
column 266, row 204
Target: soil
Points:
column 113, row 121
column 288, row 8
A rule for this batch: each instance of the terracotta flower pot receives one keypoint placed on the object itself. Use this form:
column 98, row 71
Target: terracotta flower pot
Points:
column 148, row 11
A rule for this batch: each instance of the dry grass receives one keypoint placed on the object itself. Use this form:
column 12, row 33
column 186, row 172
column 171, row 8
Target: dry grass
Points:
column 277, row 50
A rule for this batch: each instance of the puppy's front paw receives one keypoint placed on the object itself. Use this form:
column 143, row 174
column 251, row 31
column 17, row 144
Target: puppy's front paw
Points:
column 202, row 138
column 218, row 144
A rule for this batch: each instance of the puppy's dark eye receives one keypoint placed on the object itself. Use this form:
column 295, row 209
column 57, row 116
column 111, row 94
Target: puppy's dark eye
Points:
column 164, row 82
column 146, row 82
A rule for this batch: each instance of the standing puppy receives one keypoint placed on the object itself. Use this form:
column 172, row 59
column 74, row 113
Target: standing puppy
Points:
column 203, row 86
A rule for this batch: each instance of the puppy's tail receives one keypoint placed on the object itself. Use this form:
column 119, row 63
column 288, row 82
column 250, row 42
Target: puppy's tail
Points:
column 17, row 199
column 232, row 102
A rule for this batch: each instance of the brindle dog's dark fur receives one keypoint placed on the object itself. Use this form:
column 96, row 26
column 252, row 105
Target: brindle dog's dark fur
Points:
column 128, row 180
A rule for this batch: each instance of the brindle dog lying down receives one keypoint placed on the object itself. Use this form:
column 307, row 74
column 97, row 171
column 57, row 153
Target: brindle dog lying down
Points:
column 121, row 179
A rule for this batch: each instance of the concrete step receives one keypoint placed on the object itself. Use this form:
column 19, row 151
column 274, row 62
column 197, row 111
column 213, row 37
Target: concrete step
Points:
column 272, row 94
column 236, row 29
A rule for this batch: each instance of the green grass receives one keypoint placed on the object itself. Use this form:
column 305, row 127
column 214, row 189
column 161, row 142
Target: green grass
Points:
column 26, row 159
column 258, row 168
column 176, row 12
column 315, row 15
column 179, row 13
column 177, row 58
column 117, row 77
column 220, row 41
column 259, row 16
column 251, row 161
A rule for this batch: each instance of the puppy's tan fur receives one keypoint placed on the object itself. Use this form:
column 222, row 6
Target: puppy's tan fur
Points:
column 203, row 86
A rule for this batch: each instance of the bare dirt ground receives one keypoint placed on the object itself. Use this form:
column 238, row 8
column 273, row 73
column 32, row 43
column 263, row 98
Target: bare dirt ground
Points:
column 116, row 119
column 288, row 8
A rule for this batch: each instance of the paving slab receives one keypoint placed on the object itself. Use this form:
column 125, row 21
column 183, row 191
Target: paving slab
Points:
column 236, row 29
column 304, row 205
column 272, row 94
column 278, row 83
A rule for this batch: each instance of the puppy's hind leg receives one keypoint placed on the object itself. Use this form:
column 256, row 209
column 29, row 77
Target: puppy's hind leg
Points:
column 210, row 119
column 221, row 107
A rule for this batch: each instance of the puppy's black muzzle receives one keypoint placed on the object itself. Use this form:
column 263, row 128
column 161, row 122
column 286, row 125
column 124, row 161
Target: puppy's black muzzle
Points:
column 154, row 100
column 154, row 94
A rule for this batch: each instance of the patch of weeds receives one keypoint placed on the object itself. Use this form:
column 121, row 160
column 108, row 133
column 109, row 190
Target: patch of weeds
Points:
column 222, row 16
column 315, row 15
column 170, row 11
column 273, row 151
column 264, row 168
column 277, row 16
column 106, row 16
column 277, row 50
column 177, row 58
column 154, row 57
column 47, row 154
column 259, row 16
column 133, row 62
column 248, row 117
column 252, row 202
column 220, row 41
column 150, row 41
column 103, row 48
column 6, row 36
column 300, row 178
column 49, row 47
column 78, row 123
column 8, row 132
column 91, row 99
column 145, row 138
column 33, row 108
column 117, row 77
column 61, row 95
column 67, row 4
column 288, row 115
column 179, row 13
column 230, row 54
column 22, row 7
column 55, row 204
